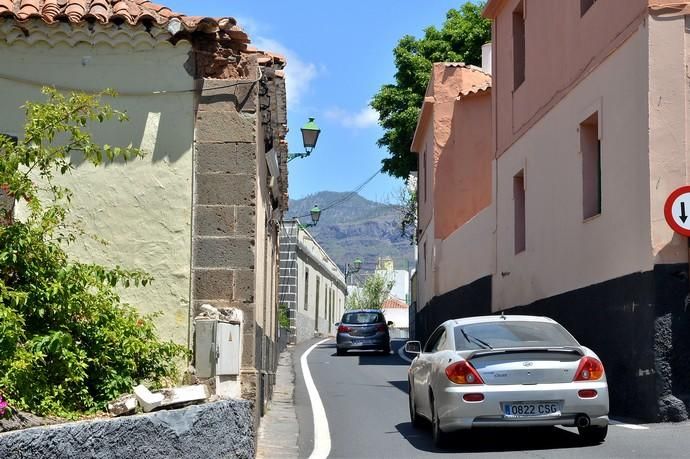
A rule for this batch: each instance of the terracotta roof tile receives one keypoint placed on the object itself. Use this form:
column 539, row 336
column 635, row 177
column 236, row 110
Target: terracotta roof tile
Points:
column 105, row 11
column 394, row 303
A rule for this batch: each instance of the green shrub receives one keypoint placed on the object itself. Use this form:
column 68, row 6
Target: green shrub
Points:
column 67, row 343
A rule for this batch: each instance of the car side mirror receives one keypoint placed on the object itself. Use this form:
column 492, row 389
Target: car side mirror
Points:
column 413, row 347
column 337, row 324
column 390, row 323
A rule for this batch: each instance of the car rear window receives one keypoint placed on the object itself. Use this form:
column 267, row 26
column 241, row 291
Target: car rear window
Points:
column 511, row 334
column 362, row 318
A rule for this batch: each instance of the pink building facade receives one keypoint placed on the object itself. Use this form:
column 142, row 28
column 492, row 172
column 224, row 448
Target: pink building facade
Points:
column 589, row 133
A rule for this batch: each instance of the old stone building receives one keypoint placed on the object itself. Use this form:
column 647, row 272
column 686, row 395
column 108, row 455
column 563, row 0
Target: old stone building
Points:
column 200, row 212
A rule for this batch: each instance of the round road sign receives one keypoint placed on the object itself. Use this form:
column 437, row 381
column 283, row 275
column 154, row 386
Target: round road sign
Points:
column 677, row 210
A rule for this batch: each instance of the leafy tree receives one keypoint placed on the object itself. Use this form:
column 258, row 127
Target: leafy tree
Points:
column 459, row 40
column 67, row 343
column 372, row 294
column 407, row 205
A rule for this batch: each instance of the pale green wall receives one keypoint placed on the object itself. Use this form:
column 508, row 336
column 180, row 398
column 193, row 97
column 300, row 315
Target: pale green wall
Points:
column 142, row 208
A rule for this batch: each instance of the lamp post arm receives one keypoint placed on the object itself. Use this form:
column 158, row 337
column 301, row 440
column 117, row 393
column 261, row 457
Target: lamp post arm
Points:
column 292, row 156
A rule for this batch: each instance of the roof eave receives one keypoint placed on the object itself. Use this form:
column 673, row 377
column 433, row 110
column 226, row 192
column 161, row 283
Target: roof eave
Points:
column 491, row 9
column 422, row 121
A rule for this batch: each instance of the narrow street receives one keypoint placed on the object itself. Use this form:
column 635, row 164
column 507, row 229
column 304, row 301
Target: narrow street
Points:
column 365, row 399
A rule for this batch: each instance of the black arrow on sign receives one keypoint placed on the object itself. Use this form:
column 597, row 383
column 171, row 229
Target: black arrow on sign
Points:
column 683, row 217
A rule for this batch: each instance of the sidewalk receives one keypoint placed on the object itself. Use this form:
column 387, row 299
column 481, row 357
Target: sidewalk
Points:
column 279, row 429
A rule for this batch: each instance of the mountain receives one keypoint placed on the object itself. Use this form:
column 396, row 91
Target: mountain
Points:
column 355, row 227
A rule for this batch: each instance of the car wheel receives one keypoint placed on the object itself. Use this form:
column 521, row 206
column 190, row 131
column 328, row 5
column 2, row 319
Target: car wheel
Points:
column 340, row 351
column 414, row 417
column 439, row 436
column 593, row 435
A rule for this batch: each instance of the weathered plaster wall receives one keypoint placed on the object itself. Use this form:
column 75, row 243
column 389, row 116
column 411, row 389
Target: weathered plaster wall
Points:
column 399, row 317
column 469, row 253
column 463, row 175
column 222, row 429
column 426, row 266
column 668, row 128
column 562, row 48
column 142, row 208
column 564, row 252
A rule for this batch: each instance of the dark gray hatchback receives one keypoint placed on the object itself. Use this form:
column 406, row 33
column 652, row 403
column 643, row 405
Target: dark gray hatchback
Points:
column 363, row 329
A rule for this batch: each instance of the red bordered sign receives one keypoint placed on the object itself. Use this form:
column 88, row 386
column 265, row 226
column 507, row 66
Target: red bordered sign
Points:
column 677, row 210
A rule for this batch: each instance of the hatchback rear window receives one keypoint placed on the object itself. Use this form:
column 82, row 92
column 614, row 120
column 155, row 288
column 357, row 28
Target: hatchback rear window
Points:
column 362, row 318
column 511, row 334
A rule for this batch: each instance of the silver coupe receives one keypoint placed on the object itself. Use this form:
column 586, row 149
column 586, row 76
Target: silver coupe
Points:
column 501, row 371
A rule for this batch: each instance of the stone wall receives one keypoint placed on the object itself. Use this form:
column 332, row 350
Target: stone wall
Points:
column 222, row 429
column 287, row 293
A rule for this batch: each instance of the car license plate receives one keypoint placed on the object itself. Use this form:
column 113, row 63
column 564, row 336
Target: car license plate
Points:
column 531, row 409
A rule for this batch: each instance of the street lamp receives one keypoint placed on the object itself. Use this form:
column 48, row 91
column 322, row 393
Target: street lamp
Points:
column 354, row 268
column 315, row 213
column 310, row 135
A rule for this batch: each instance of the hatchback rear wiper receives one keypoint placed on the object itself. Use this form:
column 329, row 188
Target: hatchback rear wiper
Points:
column 481, row 343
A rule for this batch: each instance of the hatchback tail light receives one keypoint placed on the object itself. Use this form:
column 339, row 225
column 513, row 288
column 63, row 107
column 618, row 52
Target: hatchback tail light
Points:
column 463, row 373
column 344, row 329
column 590, row 369
column 381, row 327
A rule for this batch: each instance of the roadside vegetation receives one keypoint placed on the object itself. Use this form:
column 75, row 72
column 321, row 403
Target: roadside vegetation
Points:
column 373, row 293
column 68, row 344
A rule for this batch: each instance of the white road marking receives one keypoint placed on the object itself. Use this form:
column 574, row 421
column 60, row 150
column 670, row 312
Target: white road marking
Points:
column 401, row 353
column 322, row 436
column 627, row 426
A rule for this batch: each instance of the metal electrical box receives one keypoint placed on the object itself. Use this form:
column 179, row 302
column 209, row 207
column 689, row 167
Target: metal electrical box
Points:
column 218, row 348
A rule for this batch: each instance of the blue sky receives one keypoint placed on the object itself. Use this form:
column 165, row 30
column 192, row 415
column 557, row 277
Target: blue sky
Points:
column 339, row 54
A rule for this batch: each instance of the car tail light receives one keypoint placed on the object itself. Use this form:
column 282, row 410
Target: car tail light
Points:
column 473, row 397
column 344, row 329
column 463, row 373
column 587, row 393
column 590, row 369
column 381, row 327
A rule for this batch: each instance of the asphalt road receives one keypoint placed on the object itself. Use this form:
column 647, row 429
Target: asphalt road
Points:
column 365, row 399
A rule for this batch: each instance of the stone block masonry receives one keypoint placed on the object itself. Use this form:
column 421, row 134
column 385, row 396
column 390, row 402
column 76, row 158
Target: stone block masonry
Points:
column 224, row 252
column 214, row 430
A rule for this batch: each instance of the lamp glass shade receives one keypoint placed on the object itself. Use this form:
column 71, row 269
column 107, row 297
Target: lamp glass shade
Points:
column 310, row 134
column 357, row 263
column 315, row 214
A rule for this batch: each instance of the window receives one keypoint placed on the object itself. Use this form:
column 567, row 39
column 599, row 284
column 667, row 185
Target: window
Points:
column 511, row 334
column 363, row 318
column 441, row 343
column 519, row 211
column 585, row 5
column 306, row 289
column 518, row 46
column 590, row 148
column 431, row 342
column 318, row 291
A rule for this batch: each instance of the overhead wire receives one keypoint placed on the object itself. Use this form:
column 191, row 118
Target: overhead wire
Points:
column 347, row 197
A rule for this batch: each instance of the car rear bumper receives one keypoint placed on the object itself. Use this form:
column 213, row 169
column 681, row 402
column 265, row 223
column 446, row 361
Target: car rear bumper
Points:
column 377, row 342
column 456, row 413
